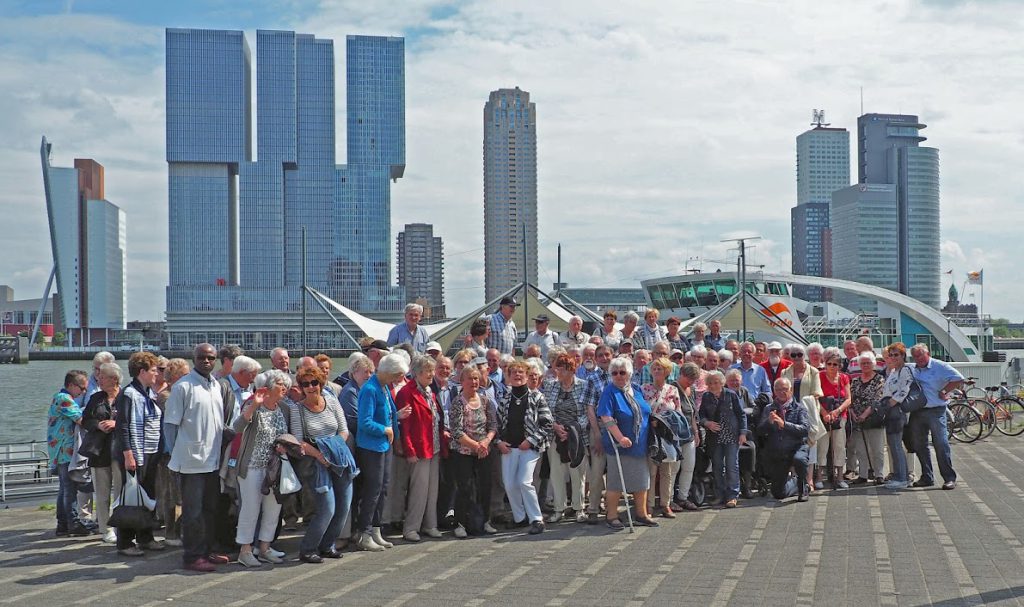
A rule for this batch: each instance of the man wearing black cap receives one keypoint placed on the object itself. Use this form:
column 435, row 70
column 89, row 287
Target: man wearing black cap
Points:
column 503, row 328
column 541, row 337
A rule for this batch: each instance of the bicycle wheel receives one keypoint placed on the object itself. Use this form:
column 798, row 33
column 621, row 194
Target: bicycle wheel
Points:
column 987, row 411
column 964, row 423
column 1009, row 416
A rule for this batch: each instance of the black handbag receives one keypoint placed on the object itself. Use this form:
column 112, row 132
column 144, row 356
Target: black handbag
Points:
column 877, row 417
column 138, row 518
column 895, row 418
column 916, row 399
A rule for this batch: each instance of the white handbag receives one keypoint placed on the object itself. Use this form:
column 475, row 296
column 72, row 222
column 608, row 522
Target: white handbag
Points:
column 288, row 481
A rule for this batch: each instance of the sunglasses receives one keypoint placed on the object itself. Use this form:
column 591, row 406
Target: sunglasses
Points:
column 619, row 373
column 315, row 383
column 161, row 369
column 797, row 355
column 832, row 365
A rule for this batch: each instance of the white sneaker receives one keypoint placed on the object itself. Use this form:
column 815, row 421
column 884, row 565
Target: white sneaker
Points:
column 175, row 543
column 248, row 559
column 553, row 517
column 460, row 532
column 379, row 539
column 110, row 536
column 272, row 552
column 489, row 528
column 366, row 543
column 434, row 533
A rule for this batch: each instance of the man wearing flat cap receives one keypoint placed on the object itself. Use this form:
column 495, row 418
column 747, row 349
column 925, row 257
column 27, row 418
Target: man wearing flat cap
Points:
column 542, row 337
column 503, row 328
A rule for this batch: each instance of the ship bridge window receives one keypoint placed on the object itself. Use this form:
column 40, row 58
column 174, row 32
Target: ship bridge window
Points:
column 725, row 289
column 687, row 296
column 668, row 293
column 706, row 294
column 777, row 288
column 656, row 297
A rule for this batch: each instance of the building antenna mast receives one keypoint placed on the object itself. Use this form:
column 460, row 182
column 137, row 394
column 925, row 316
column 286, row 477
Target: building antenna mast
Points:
column 818, row 119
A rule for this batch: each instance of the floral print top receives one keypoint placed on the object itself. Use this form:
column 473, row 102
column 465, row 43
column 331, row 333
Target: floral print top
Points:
column 666, row 399
column 60, row 428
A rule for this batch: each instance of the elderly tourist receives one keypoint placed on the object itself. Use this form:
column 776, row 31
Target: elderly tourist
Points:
column 597, row 458
column 650, row 332
column 775, row 364
column 689, row 374
column 503, row 333
column 541, row 337
column 326, row 364
column 625, row 417
column 722, row 415
column 423, row 438
column 565, row 397
column 98, row 421
column 473, row 426
column 260, row 422
column 835, row 401
column 725, row 360
column 755, row 378
column 806, row 382
column 711, row 360
column 676, row 340
column 785, row 425
column 378, row 419
column 612, row 337
column 714, row 340
column 698, row 333
column 629, row 332
column 898, row 381
column 816, row 355
column 524, row 430
column 662, row 397
column 168, row 485
column 868, row 436
column 574, row 335
column 937, row 379
column 409, row 331
column 65, row 416
column 139, row 439
column 193, row 431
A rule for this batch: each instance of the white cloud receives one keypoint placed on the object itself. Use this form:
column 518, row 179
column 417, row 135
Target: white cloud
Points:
column 661, row 128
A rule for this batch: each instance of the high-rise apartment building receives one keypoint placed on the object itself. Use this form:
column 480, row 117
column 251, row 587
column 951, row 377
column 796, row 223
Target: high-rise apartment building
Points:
column 890, row 154
column 237, row 223
column 421, row 267
column 510, row 191
column 822, row 167
column 88, row 240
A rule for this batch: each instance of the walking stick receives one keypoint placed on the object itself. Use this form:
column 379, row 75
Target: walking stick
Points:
column 867, row 452
column 625, row 494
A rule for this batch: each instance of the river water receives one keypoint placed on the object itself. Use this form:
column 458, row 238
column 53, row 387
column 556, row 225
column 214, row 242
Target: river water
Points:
column 26, row 392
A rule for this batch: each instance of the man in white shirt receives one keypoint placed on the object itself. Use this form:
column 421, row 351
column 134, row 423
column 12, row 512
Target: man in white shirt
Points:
column 541, row 337
column 193, row 427
column 575, row 336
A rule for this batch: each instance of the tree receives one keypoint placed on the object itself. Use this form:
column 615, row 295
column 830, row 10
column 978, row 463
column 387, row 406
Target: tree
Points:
column 59, row 339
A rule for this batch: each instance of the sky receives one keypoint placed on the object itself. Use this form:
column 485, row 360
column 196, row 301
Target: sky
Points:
column 663, row 127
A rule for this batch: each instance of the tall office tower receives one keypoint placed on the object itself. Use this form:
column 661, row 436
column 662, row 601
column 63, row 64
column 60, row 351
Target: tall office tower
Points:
column 510, row 191
column 375, row 77
column 238, row 225
column 421, row 267
column 822, row 167
column 890, row 156
column 865, row 242
column 88, row 241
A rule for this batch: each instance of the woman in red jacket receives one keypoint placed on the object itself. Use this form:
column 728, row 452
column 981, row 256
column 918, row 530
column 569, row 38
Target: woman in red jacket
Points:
column 424, row 438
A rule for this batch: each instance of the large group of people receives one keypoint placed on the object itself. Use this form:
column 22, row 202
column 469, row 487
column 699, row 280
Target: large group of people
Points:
column 409, row 442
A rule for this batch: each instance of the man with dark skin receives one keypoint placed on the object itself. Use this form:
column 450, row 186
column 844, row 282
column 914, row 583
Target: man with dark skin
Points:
column 193, row 431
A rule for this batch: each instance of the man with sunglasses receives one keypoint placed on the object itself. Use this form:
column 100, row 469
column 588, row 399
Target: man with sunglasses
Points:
column 193, row 429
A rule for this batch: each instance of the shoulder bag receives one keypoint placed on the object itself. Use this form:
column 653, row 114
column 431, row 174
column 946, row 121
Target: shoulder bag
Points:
column 916, row 398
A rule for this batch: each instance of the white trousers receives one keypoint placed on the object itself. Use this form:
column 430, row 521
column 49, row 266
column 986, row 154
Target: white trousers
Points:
column 595, row 478
column 256, row 506
column 687, row 462
column 559, row 472
column 106, row 482
column 875, row 439
column 422, row 510
column 517, row 473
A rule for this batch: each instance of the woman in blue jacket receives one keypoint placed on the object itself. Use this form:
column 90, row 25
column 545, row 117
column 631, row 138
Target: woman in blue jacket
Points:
column 377, row 418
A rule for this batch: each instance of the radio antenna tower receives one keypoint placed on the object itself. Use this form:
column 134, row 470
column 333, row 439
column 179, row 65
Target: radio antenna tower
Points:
column 818, row 119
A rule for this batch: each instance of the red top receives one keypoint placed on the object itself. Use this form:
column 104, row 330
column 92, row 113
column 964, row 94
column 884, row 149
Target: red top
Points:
column 775, row 374
column 839, row 390
column 417, row 429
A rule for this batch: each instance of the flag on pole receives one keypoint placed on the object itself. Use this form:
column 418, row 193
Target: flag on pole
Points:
column 975, row 278
column 949, row 271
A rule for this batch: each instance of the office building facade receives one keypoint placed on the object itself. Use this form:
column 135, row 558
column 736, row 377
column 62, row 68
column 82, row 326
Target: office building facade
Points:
column 822, row 167
column 88, row 240
column 510, row 191
column 421, row 268
column 865, row 242
column 238, row 224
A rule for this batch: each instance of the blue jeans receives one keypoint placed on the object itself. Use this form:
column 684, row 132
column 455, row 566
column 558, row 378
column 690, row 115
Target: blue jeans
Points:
column 932, row 420
column 331, row 510
column 725, row 466
column 899, row 456
column 67, row 491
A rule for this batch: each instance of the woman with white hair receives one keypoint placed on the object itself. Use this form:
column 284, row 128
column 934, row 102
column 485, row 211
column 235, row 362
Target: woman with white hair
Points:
column 650, row 332
column 868, row 437
column 375, row 434
column 700, row 330
column 721, row 414
column 260, row 422
column 806, row 382
column 625, row 417
column 629, row 322
column 724, row 360
column 816, row 355
column 423, row 442
column 98, row 421
column 698, row 356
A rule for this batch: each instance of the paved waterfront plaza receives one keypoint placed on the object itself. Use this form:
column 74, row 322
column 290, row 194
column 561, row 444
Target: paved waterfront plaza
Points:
column 862, row 546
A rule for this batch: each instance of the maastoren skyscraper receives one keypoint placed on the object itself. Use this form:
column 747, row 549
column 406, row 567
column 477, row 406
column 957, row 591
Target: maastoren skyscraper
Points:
column 510, row 191
column 237, row 223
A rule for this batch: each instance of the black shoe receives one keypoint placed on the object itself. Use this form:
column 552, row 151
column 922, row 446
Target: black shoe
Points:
column 61, row 532
column 949, row 485
column 78, row 530
column 330, row 554
column 647, row 522
column 536, row 527
column 311, row 558
column 802, row 497
column 519, row 524
column 860, row 480
column 922, row 483
column 593, row 518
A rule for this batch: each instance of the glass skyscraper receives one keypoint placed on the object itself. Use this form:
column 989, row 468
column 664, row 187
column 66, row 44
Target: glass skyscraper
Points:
column 421, row 267
column 822, row 167
column 510, row 191
column 237, row 223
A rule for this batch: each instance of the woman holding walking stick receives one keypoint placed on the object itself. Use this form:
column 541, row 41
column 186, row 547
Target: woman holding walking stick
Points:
column 625, row 415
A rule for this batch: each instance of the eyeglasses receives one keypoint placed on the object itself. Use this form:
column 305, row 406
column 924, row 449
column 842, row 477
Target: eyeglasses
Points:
column 161, row 369
column 796, row 355
column 315, row 383
column 832, row 364
column 619, row 373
